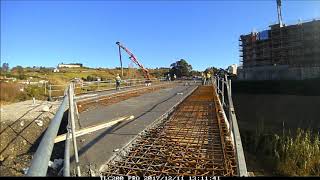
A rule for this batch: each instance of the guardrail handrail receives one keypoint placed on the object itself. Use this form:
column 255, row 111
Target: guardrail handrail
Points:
column 40, row 160
column 233, row 128
column 98, row 84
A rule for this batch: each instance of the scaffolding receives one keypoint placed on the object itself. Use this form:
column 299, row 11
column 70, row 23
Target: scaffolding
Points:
column 293, row 45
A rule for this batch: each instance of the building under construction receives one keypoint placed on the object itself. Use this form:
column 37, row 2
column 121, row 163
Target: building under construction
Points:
column 294, row 45
column 281, row 52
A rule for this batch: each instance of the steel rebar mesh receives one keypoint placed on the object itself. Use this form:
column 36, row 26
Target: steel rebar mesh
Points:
column 191, row 142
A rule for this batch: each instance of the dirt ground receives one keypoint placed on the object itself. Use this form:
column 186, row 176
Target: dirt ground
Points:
column 21, row 125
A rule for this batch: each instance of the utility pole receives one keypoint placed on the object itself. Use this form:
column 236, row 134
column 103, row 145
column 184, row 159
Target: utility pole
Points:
column 121, row 62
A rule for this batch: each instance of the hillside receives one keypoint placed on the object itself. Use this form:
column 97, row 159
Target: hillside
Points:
column 24, row 83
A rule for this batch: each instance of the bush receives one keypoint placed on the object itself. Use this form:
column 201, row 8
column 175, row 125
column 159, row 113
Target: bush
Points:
column 103, row 79
column 299, row 156
column 34, row 91
column 10, row 92
column 91, row 78
column 289, row 155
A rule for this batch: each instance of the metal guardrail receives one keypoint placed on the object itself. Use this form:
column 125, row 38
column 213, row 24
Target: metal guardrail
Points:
column 97, row 86
column 40, row 161
column 222, row 83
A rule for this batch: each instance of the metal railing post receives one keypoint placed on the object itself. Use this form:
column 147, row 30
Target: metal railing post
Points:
column 50, row 98
column 45, row 88
column 73, row 129
column 230, row 87
column 217, row 82
column 218, row 85
column 76, row 109
column 66, row 163
column 223, row 81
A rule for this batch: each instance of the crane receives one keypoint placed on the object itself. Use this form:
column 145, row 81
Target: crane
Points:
column 134, row 60
column 279, row 13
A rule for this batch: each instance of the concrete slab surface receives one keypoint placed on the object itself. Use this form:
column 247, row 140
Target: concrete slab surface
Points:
column 100, row 93
column 96, row 148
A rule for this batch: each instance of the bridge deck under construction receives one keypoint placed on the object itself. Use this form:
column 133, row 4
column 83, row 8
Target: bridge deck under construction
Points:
column 194, row 140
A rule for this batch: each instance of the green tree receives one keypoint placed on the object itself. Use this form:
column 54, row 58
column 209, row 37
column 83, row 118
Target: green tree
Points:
column 44, row 70
column 195, row 73
column 5, row 67
column 212, row 70
column 19, row 70
column 180, row 68
column 90, row 78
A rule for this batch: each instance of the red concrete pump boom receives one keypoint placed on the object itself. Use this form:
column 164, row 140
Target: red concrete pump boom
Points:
column 135, row 60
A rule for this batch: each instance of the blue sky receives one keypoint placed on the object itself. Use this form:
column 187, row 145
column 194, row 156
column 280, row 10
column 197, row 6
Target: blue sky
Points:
column 206, row 33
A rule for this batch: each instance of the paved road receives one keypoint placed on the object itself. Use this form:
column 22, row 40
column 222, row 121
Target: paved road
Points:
column 98, row 147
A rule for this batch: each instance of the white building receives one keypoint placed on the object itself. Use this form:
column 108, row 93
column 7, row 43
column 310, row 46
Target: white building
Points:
column 232, row 69
column 72, row 65
column 55, row 70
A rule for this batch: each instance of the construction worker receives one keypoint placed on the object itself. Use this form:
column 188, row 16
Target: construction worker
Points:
column 208, row 77
column 168, row 77
column 203, row 78
column 118, row 81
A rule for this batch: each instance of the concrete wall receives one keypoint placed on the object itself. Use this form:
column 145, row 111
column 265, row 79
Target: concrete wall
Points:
column 279, row 72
